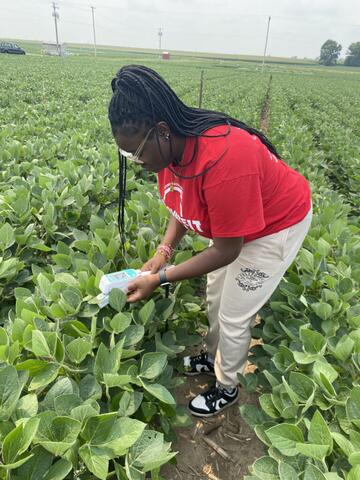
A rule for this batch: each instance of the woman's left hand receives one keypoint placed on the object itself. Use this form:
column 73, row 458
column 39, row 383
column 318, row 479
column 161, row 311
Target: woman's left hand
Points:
column 142, row 287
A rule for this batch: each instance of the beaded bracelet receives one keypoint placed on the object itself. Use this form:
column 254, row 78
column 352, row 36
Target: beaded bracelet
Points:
column 165, row 249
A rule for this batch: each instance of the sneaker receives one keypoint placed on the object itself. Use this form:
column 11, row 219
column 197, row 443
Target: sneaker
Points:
column 197, row 364
column 214, row 401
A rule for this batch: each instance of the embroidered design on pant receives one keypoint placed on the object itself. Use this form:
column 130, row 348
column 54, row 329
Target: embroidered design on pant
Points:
column 250, row 279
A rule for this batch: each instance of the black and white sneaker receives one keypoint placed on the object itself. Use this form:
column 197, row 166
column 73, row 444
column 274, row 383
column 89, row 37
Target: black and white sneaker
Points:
column 213, row 401
column 196, row 364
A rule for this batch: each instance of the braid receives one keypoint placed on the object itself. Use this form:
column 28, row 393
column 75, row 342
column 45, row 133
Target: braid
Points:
column 142, row 97
column 140, row 94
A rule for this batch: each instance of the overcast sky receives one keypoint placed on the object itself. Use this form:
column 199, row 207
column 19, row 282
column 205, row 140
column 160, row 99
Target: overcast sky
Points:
column 297, row 28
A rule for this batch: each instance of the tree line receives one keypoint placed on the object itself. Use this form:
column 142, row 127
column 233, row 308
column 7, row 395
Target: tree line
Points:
column 330, row 52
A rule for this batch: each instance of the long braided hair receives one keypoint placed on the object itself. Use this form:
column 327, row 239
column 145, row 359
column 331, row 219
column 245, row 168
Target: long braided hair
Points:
column 143, row 98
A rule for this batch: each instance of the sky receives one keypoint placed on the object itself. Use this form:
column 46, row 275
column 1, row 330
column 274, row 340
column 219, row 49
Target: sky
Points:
column 297, row 27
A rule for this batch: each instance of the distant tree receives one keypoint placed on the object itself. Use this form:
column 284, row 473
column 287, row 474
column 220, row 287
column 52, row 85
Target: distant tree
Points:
column 353, row 55
column 330, row 52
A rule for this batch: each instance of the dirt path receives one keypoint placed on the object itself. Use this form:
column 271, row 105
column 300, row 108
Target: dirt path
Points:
column 196, row 458
column 265, row 111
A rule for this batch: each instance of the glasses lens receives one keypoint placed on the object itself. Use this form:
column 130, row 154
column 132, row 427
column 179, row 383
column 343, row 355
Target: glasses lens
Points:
column 126, row 154
column 130, row 156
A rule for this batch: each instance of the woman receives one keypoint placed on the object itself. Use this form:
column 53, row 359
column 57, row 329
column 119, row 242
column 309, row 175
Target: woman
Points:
column 225, row 181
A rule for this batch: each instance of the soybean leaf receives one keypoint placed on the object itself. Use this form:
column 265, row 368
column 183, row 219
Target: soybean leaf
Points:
column 152, row 364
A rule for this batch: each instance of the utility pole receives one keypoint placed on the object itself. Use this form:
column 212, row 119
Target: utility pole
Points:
column 160, row 33
column 55, row 14
column 266, row 42
column 93, row 20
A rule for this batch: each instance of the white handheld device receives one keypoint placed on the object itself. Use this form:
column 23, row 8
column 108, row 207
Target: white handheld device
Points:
column 119, row 280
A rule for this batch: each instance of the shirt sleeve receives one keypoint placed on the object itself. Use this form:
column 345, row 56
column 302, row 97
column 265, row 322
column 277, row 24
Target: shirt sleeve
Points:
column 235, row 207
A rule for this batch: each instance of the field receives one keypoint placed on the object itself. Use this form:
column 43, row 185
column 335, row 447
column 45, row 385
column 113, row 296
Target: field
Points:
column 89, row 393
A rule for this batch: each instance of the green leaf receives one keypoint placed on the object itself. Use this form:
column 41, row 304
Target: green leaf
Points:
column 63, row 386
column 18, row 440
column 302, row 385
column 354, row 473
column 96, row 460
column 25, row 457
column 62, row 260
column 129, row 403
column 344, row 348
column 252, row 415
column 7, row 236
column 313, row 473
column 107, row 361
column 57, row 434
column 324, row 368
column 44, row 286
column 284, row 437
column 149, row 451
column 120, row 322
column 40, row 345
column 114, row 380
column 65, row 403
column 109, row 431
column 159, row 392
column 90, row 388
column 318, row 452
column 133, row 335
column 306, row 260
column 322, row 310
column 268, row 406
column 353, row 406
column 59, row 470
column 11, row 385
column 345, row 444
column 82, row 412
column 117, row 299
column 78, row 349
column 266, row 468
column 313, row 341
column 287, row 472
column 152, row 364
column 37, row 466
column 147, row 312
column 26, row 407
column 319, row 432
column 44, row 377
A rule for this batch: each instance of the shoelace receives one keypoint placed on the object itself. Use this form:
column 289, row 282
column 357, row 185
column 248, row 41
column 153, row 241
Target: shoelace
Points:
column 212, row 395
column 198, row 358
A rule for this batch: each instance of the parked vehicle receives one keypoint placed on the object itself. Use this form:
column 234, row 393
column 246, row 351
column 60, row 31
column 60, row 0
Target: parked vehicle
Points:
column 7, row 47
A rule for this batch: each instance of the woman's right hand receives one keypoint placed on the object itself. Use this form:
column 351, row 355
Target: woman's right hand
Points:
column 154, row 264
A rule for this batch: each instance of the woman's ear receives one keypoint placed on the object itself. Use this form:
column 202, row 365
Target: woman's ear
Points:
column 163, row 130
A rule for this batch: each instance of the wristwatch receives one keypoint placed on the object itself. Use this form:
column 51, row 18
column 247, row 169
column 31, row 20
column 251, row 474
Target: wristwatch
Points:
column 163, row 280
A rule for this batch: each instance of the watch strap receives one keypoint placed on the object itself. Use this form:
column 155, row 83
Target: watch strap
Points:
column 163, row 280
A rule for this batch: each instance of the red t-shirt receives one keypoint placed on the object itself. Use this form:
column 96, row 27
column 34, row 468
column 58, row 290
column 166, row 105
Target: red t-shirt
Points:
column 248, row 193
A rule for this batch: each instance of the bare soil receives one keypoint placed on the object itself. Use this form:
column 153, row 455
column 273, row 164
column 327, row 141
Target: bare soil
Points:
column 217, row 448
column 265, row 111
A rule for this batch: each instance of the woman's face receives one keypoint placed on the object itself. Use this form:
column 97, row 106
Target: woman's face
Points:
column 154, row 159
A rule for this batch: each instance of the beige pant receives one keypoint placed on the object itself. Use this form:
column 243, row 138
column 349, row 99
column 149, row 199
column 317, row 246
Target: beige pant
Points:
column 236, row 292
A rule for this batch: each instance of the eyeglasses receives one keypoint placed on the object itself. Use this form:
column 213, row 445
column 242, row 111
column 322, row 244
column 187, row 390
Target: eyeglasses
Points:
column 134, row 157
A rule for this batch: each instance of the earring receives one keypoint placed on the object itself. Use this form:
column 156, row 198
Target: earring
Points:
column 167, row 136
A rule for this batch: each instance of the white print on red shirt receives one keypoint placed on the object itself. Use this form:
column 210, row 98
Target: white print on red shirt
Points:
column 194, row 225
column 256, row 138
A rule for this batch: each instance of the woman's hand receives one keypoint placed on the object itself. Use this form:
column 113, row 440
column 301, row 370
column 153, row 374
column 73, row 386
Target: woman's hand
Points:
column 142, row 287
column 154, row 264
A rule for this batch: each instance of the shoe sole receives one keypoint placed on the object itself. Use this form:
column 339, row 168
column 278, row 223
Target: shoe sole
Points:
column 196, row 414
column 193, row 374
